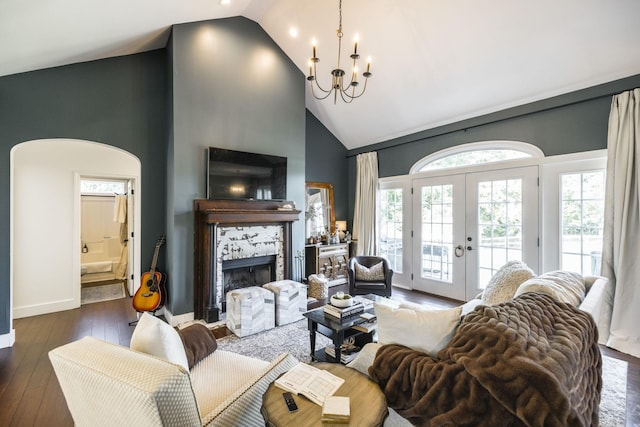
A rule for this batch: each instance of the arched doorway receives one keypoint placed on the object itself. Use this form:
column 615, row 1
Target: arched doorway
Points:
column 45, row 218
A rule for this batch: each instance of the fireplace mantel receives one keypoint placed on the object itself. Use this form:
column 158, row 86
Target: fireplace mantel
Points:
column 209, row 214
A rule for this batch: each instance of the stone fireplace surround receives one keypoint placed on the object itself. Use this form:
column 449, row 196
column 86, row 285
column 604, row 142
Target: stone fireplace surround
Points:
column 227, row 230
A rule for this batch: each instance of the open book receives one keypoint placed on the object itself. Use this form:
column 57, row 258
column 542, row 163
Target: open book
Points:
column 313, row 383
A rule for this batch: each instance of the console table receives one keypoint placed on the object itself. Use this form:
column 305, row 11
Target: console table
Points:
column 330, row 260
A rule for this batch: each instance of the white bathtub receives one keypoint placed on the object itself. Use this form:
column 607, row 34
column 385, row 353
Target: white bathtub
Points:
column 101, row 261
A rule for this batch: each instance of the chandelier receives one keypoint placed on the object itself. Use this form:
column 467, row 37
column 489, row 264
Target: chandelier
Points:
column 347, row 91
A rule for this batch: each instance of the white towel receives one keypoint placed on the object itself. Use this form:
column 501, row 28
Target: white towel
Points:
column 120, row 209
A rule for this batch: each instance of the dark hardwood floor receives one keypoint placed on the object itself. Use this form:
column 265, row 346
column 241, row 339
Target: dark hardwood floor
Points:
column 30, row 394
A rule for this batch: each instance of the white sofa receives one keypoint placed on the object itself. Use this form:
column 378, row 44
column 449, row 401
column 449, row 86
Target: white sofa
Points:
column 598, row 302
column 110, row 385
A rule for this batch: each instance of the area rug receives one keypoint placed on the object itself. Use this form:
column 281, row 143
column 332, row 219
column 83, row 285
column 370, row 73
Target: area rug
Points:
column 294, row 339
column 92, row 294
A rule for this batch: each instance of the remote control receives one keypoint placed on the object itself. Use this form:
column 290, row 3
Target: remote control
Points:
column 291, row 404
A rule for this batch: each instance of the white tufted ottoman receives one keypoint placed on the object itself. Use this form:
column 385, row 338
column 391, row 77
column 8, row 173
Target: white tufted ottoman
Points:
column 250, row 310
column 291, row 300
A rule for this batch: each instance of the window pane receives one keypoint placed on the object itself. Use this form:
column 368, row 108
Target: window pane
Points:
column 390, row 244
column 499, row 223
column 582, row 220
column 437, row 232
column 103, row 187
column 474, row 158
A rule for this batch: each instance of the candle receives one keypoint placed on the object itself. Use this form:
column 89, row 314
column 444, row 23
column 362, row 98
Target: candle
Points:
column 313, row 42
column 368, row 63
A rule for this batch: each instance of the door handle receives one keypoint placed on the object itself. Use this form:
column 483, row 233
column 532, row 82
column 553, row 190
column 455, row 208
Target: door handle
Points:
column 459, row 251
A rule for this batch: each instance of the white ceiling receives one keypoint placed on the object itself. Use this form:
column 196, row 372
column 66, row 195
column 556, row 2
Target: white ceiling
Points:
column 434, row 62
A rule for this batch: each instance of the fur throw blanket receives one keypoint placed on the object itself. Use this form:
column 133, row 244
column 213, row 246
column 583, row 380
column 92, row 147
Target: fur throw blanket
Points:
column 530, row 361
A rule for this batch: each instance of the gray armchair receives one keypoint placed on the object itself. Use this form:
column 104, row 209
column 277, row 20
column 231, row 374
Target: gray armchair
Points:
column 369, row 280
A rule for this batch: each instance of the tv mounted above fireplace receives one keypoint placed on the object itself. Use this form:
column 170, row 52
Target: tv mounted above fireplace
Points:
column 245, row 176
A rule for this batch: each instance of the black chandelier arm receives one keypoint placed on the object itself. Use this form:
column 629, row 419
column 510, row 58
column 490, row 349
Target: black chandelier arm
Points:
column 314, row 77
column 350, row 98
column 326, row 92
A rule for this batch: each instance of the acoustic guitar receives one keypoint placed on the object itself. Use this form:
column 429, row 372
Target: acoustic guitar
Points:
column 151, row 294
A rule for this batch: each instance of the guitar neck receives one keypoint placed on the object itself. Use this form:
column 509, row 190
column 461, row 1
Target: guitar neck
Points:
column 152, row 270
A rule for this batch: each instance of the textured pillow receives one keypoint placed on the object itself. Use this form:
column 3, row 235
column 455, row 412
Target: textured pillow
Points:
column 371, row 274
column 159, row 339
column 504, row 284
column 198, row 342
column 563, row 286
column 428, row 331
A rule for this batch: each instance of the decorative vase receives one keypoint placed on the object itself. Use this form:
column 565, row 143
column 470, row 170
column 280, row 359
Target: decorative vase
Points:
column 341, row 300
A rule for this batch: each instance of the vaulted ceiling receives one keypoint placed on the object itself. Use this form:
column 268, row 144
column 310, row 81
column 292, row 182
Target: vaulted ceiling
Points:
column 433, row 62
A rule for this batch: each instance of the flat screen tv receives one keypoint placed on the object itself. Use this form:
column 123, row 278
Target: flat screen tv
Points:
column 245, row 176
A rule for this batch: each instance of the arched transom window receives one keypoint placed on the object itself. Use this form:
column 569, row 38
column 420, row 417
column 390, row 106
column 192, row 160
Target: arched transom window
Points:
column 476, row 153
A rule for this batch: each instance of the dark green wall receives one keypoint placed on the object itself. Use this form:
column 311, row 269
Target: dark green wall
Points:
column 118, row 101
column 238, row 92
column 232, row 87
column 564, row 124
column 326, row 161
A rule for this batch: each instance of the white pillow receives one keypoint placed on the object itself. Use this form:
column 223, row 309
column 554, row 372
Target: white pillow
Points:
column 159, row 339
column 563, row 286
column 504, row 284
column 371, row 274
column 428, row 331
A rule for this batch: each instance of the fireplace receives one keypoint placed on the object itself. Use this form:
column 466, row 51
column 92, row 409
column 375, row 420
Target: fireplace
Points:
column 246, row 272
column 237, row 232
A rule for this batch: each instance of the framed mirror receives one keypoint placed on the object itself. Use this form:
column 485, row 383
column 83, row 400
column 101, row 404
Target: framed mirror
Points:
column 319, row 212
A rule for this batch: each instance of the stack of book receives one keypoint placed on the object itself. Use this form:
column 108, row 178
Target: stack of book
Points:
column 343, row 312
column 367, row 327
column 347, row 352
column 336, row 410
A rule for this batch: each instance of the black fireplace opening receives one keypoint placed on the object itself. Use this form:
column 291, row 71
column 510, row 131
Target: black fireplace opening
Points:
column 246, row 272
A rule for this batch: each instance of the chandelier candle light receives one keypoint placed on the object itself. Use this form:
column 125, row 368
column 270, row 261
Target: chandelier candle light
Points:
column 348, row 92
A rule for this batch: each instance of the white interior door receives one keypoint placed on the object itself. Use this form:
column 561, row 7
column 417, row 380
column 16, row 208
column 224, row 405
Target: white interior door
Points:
column 466, row 226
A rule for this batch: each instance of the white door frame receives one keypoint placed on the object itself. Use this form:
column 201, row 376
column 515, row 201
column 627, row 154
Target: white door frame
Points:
column 45, row 175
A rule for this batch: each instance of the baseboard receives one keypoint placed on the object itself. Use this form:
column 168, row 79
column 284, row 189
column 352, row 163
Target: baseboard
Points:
column 7, row 340
column 174, row 320
column 46, row 308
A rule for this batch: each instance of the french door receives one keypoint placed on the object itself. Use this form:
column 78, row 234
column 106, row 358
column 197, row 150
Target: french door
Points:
column 466, row 226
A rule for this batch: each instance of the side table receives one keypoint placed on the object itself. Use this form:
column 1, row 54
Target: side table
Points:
column 335, row 329
column 367, row 402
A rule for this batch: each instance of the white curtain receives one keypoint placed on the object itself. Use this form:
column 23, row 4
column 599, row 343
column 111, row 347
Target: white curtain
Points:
column 620, row 259
column 364, row 213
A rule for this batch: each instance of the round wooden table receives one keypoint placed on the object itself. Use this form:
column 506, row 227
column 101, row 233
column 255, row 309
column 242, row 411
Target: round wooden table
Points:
column 367, row 402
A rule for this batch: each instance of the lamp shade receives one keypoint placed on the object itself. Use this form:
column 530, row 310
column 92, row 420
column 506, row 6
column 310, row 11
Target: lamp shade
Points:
column 341, row 225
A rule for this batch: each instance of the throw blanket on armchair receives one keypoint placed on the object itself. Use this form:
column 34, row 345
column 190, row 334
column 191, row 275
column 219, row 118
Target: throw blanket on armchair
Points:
column 531, row 361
